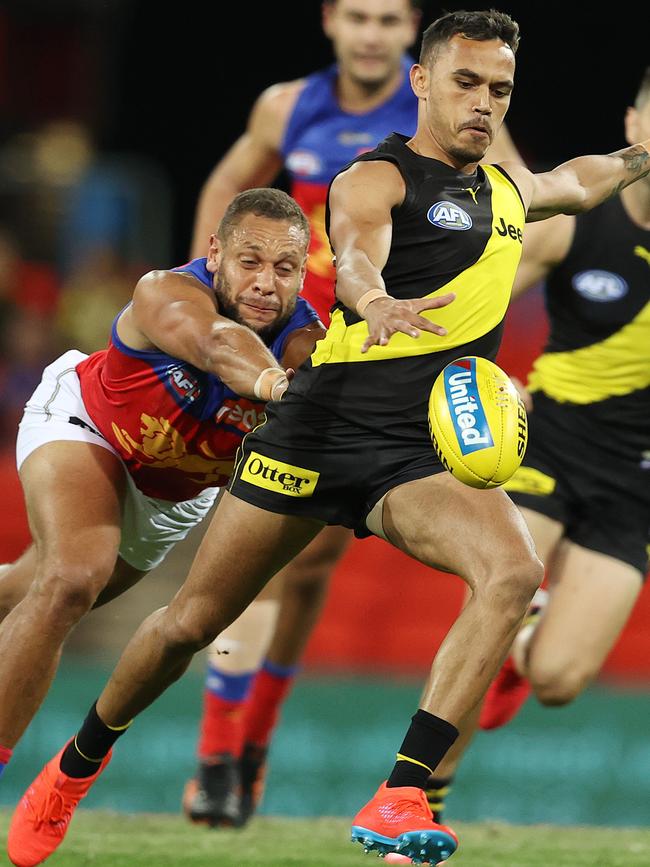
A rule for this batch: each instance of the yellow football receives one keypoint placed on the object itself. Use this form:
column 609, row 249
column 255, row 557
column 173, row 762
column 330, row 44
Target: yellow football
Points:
column 478, row 422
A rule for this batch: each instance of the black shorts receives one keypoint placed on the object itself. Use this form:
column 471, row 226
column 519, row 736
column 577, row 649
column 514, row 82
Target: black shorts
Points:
column 580, row 475
column 306, row 461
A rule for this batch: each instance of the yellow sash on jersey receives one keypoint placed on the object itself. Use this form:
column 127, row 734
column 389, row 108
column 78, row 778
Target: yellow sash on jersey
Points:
column 618, row 365
column 482, row 296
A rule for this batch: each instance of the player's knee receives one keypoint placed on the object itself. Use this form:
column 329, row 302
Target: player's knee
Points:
column 68, row 590
column 513, row 581
column 192, row 627
column 559, row 684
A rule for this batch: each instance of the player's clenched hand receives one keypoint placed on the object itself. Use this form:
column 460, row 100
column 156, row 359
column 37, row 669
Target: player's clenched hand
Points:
column 385, row 316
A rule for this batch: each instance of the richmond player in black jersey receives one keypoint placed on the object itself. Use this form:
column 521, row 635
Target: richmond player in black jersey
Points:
column 584, row 486
column 332, row 451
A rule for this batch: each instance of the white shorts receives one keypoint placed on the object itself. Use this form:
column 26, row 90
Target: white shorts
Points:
column 56, row 411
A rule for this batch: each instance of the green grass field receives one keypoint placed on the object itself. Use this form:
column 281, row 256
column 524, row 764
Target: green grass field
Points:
column 101, row 839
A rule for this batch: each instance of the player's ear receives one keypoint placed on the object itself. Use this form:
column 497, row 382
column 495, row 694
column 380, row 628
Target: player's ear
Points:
column 632, row 134
column 419, row 80
column 327, row 14
column 214, row 254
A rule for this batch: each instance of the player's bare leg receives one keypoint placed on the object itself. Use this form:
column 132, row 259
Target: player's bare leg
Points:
column 591, row 597
column 510, row 689
column 243, row 547
column 480, row 536
column 15, row 580
column 72, row 493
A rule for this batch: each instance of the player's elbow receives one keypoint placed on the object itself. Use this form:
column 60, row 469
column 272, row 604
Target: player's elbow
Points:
column 220, row 344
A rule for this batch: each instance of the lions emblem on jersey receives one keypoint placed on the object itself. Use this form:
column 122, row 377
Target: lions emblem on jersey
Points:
column 478, row 422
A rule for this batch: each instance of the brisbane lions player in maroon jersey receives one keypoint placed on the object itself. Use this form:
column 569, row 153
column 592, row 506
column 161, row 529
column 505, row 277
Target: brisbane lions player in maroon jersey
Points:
column 122, row 452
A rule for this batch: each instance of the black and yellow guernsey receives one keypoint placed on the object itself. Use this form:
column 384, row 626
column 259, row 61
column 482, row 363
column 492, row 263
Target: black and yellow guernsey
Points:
column 454, row 232
column 597, row 359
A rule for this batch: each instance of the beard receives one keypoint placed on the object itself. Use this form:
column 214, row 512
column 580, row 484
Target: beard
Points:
column 467, row 155
column 267, row 333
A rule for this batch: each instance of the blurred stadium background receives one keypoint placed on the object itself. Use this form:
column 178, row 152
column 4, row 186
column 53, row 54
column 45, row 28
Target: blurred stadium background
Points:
column 112, row 113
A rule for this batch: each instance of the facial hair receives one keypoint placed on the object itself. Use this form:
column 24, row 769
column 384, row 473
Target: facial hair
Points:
column 267, row 333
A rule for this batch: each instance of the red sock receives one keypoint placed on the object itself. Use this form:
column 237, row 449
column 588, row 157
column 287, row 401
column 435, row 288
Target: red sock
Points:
column 270, row 688
column 222, row 726
column 5, row 755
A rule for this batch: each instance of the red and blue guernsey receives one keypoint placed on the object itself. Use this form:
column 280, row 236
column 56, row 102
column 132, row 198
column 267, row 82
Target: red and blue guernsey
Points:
column 319, row 140
column 177, row 428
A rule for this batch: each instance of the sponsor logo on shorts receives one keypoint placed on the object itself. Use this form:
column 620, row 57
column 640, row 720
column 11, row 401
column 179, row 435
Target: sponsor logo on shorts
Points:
column 447, row 215
column 465, row 407
column 599, row 285
column 263, row 472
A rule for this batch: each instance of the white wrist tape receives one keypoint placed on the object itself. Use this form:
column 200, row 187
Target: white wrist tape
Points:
column 367, row 297
column 258, row 390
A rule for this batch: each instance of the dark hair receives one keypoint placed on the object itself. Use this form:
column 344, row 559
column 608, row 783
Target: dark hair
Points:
column 263, row 202
column 643, row 93
column 481, row 25
column 414, row 4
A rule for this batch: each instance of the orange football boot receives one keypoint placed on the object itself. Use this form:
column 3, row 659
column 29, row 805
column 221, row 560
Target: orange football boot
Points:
column 399, row 820
column 41, row 819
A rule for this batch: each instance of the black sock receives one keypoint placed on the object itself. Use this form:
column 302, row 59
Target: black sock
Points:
column 425, row 744
column 437, row 790
column 83, row 755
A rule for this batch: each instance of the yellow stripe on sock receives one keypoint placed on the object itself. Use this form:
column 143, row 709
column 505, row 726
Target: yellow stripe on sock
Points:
column 84, row 756
column 402, row 758
column 118, row 728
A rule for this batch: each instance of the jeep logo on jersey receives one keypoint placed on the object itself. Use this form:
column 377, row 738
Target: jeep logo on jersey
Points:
column 184, row 384
column 447, row 215
column 279, row 477
column 599, row 285
column 304, row 163
column 465, row 407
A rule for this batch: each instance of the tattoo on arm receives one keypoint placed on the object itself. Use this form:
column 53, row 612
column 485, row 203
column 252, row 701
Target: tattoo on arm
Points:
column 636, row 164
column 637, row 160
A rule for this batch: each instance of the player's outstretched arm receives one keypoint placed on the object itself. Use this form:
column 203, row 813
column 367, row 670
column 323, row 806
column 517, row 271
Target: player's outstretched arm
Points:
column 581, row 183
column 174, row 313
column 254, row 160
column 361, row 200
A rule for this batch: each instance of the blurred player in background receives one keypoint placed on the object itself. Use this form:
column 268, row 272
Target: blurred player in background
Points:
column 121, row 453
column 349, row 443
column 584, row 486
column 311, row 127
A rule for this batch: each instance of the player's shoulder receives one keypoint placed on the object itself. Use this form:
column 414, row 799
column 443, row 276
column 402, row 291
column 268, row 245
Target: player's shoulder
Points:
column 280, row 98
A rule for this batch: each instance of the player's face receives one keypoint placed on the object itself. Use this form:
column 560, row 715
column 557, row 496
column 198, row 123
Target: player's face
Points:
column 370, row 36
column 466, row 93
column 258, row 272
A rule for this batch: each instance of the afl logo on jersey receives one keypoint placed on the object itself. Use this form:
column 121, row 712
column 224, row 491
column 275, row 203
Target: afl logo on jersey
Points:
column 599, row 285
column 447, row 215
column 183, row 383
column 304, row 163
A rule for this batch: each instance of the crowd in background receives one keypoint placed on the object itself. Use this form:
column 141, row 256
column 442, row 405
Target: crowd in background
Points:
column 77, row 230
